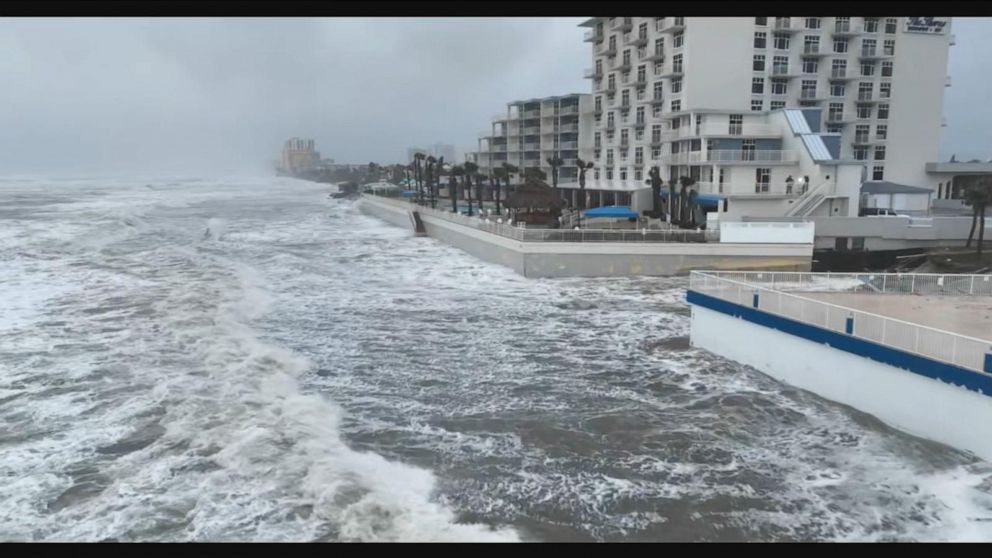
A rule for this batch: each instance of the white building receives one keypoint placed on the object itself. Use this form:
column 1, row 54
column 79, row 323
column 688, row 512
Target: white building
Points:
column 534, row 130
column 701, row 97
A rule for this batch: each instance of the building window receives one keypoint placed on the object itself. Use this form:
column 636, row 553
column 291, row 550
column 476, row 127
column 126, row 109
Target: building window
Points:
column 640, row 94
column 811, row 44
column 890, row 25
column 835, row 111
column 782, row 42
column 864, row 112
column 623, row 173
column 834, row 128
column 878, row 172
column 780, row 87
column 677, row 64
column 867, row 69
column 655, row 153
column 812, row 23
column 736, row 124
column 757, row 105
column 677, row 40
column 840, row 46
column 883, row 112
column 640, row 115
column 609, row 173
column 864, row 90
column 860, row 153
column 595, row 174
column 657, row 90
column 638, row 155
column 609, row 157
column 879, row 152
column 837, row 89
column 810, row 66
column 760, row 39
column 861, row 133
column 808, row 88
column 762, row 21
column 721, row 180
column 889, row 48
column 881, row 131
column 838, row 68
column 887, row 68
column 597, row 141
column 624, row 137
column 659, row 47
column 638, row 175
column 758, row 85
column 676, row 85
column 659, row 68
column 777, row 105
column 642, row 73
column 762, row 180
column 871, row 25
column 868, row 46
column 759, row 63
column 780, row 65
column 656, row 111
column 885, row 90
column 676, row 105
column 639, row 134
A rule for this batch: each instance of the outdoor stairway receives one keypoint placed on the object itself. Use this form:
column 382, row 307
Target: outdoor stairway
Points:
column 806, row 203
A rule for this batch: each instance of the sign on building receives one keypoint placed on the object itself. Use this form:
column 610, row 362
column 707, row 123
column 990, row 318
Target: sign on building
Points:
column 933, row 25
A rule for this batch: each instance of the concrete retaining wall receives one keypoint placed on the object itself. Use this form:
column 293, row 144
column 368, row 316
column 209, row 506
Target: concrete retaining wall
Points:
column 597, row 259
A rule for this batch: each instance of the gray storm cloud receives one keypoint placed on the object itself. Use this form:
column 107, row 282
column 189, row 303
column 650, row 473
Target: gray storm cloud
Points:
column 221, row 94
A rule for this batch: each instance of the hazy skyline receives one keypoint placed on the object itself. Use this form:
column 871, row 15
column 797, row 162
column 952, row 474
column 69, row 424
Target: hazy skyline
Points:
column 222, row 94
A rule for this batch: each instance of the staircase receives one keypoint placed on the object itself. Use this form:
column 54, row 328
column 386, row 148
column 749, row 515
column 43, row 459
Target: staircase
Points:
column 806, row 203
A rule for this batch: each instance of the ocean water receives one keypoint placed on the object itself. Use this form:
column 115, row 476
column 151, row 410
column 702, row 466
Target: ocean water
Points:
column 246, row 359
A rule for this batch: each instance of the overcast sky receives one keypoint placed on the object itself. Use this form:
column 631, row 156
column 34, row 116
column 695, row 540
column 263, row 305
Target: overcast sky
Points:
column 195, row 95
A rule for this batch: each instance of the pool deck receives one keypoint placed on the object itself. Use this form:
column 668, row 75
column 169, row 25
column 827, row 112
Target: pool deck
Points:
column 964, row 315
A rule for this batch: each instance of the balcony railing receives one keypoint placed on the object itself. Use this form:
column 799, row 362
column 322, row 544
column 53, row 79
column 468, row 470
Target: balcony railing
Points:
column 568, row 145
column 835, row 117
column 532, row 113
column 864, row 96
column 847, row 28
column 568, row 128
column 732, row 156
column 809, row 95
column 749, row 189
column 570, row 109
column 623, row 24
column 657, row 56
column 838, row 73
column 670, row 24
column 780, row 70
column 531, row 130
column 811, row 49
column 593, row 73
column 592, row 36
column 532, row 147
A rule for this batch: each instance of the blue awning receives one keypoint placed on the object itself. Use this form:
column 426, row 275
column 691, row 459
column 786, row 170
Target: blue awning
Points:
column 408, row 193
column 614, row 211
column 701, row 199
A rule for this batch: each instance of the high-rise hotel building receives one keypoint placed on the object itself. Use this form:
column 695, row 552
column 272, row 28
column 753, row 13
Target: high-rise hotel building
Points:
column 698, row 96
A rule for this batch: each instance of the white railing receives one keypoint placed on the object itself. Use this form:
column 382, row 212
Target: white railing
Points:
column 489, row 223
column 748, row 189
column 771, row 290
column 732, row 155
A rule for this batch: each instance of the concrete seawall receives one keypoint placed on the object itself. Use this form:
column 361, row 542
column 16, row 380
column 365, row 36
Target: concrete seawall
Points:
column 593, row 259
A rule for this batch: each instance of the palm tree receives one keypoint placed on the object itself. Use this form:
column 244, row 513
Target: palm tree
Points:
column 509, row 170
column 654, row 179
column 471, row 170
column 555, row 163
column 429, row 165
column 583, row 167
column 417, row 157
column 671, row 201
column 498, row 174
column 456, row 171
column 685, row 182
column 978, row 195
column 436, row 188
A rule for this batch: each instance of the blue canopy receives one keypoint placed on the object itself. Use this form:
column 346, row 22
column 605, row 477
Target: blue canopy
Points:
column 701, row 199
column 408, row 193
column 615, row 211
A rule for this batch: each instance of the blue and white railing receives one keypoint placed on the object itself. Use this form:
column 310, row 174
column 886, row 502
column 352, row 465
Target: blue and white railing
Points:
column 780, row 293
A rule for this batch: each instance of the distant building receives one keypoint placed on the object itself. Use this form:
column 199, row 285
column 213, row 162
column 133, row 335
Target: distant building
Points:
column 299, row 155
column 438, row 150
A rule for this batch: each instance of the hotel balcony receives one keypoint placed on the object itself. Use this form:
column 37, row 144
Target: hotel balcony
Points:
column 658, row 56
column 671, row 24
column 622, row 66
column 592, row 73
column 784, row 71
column 873, row 53
column 610, row 126
column 847, row 29
column 609, row 88
column 625, row 105
column 592, row 36
column 835, row 118
column 812, row 96
column 732, row 156
column 570, row 109
column 532, row 147
column 532, row 113
column 531, row 130
column 499, row 148
column 749, row 189
column 565, row 145
column 869, row 98
column 784, row 25
column 657, row 100
column 639, row 124
column 842, row 75
column 638, row 41
column 608, row 50
column 813, row 51
column 568, row 128
column 640, row 81
column 623, row 24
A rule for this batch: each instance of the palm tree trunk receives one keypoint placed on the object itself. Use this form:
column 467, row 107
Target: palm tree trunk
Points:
column 981, row 231
column 496, row 195
column 974, row 221
column 453, row 192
